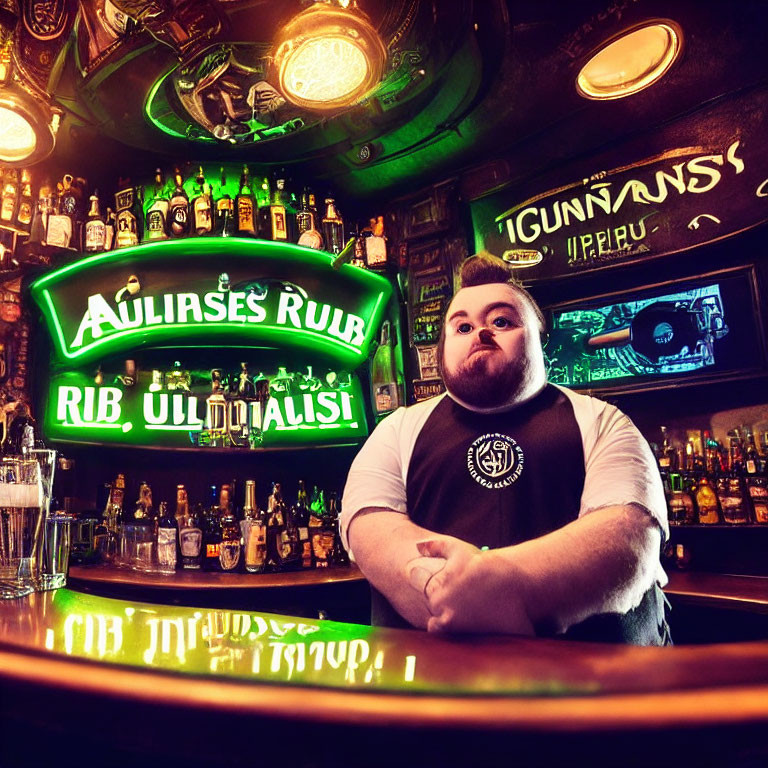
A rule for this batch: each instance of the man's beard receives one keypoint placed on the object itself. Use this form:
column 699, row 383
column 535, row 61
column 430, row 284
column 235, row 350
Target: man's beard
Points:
column 474, row 384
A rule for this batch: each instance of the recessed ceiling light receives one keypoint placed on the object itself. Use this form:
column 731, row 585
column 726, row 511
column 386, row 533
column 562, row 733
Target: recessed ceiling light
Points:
column 631, row 62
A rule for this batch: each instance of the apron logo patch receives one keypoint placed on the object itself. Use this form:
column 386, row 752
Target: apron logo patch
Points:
column 495, row 460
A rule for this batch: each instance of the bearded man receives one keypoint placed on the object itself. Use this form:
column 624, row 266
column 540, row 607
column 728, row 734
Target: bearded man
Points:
column 508, row 504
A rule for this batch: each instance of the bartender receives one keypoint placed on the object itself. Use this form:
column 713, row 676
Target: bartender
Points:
column 508, row 504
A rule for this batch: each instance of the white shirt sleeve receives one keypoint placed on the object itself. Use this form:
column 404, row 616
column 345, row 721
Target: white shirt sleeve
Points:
column 619, row 466
column 379, row 472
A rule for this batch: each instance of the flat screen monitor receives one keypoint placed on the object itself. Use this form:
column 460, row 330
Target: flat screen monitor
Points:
column 702, row 327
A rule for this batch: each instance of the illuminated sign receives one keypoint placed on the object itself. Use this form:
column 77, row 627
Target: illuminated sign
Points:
column 202, row 411
column 693, row 182
column 177, row 293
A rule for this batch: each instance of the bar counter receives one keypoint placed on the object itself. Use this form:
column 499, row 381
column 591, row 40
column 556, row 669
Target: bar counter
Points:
column 176, row 685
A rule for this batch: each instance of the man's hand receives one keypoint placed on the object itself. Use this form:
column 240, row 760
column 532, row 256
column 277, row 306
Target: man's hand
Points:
column 462, row 593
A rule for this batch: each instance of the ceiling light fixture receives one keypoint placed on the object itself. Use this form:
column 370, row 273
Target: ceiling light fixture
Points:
column 328, row 57
column 28, row 125
column 631, row 62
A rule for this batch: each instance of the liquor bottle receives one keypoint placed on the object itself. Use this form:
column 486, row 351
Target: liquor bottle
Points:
column 127, row 223
column 732, row 497
column 157, row 214
column 167, row 539
column 751, row 456
column 376, row 246
column 26, row 202
column 706, row 502
column 290, row 550
column 59, row 226
column 178, row 214
column 667, row 459
column 95, row 228
column 110, row 229
column 275, row 525
column 338, row 555
column 116, row 503
column 10, row 195
column 191, row 538
column 306, row 218
column 272, row 216
column 300, row 514
column 245, row 205
column 757, row 487
column 681, row 506
column 216, row 411
column 43, row 210
column 333, row 227
column 735, row 451
column 231, row 541
column 385, row 391
column 287, row 200
column 202, row 206
column 144, row 509
column 308, row 223
column 182, row 505
column 226, row 222
column 212, row 533
column 254, row 529
column 317, row 532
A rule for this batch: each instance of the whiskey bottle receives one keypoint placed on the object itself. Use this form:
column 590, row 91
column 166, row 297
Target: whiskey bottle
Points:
column 226, row 223
column 272, row 215
column 157, row 214
column 178, row 214
column 26, row 202
column 245, row 205
column 733, row 500
column 254, row 531
column 300, row 513
column 706, row 502
column 306, row 218
column 384, row 386
column 666, row 453
column 95, row 228
column 127, row 225
column 202, row 206
column 231, row 541
column 191, row 538
column 333, row 227
column 212, row 533
column 275, row 526
column 167, row 535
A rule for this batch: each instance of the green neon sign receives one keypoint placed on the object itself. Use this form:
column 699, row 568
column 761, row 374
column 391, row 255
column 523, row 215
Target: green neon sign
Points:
column 227, row 292
column 288, row 410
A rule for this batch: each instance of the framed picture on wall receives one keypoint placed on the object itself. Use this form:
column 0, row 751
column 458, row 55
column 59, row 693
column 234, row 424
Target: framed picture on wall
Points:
column 704, row 327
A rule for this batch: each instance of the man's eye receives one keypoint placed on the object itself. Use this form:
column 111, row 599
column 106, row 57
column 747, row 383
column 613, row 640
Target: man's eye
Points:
column 464, row 328
column 502, row 322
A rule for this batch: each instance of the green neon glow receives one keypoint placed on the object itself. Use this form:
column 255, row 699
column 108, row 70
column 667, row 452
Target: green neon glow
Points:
column 373, row 292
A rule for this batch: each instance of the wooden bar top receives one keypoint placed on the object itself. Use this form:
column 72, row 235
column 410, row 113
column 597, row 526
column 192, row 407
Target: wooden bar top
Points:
column 204, row 580
column 749, row 593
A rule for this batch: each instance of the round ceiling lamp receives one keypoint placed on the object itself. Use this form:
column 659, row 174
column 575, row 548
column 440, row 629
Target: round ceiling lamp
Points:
column 631, row 62
column 27, row 129
column 328, row 57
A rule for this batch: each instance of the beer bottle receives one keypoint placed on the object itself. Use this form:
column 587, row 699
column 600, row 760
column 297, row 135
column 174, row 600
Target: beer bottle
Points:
column 384, row 385
column 179, row 207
